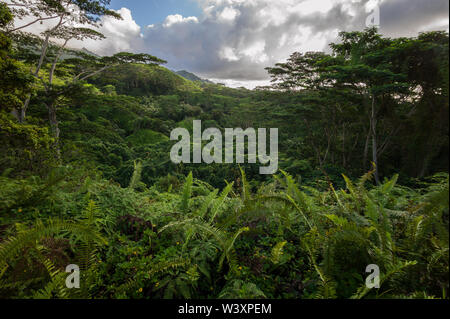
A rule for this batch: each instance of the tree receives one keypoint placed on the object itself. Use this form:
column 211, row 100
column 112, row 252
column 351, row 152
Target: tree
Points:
column 301, row 71
column 82, row 67
column 425, row 61
column 326, row 111
column 62, row 11
column 68, row 14
column 363, row 65
column 360, row 73
column 15, row 83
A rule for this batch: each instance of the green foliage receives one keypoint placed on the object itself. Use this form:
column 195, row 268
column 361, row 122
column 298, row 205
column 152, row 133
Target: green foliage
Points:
column 136, row 178
column 141, row 80
column 15, row 83
column 24, row 147
column 146, row 137
column 103, row 193
column 277, row 252
column 238, row 289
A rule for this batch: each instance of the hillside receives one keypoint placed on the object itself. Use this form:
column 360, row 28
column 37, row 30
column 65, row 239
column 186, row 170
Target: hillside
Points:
column 192, row 77
column 140, row 80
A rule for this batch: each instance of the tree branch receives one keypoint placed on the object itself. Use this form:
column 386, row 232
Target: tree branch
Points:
column 31, row 23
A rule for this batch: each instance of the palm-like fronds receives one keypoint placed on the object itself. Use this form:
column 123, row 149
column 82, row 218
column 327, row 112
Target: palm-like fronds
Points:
column 11, row 247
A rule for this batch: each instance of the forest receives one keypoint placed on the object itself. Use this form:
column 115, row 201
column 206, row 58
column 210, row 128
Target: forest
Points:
column 86, row 177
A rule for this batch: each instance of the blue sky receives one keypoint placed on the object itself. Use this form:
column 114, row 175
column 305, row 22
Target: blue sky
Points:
column 147, row 12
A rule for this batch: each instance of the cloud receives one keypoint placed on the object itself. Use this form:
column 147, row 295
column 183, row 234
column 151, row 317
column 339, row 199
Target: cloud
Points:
column 234, row 40
column 121, row 35
column 228, row 14
column 178, row 19
column 408, row 17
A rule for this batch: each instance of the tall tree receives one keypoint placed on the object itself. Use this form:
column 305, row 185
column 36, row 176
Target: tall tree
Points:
column 70, row 15
column 15, row 83
column 66, row 16
column 53, row 10
column 362, row 72
column 425, row 61
column 363, row 67
column 81, row 67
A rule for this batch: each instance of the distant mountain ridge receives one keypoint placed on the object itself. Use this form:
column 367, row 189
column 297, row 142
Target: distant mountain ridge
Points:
column 192, row 77
column 84, row 50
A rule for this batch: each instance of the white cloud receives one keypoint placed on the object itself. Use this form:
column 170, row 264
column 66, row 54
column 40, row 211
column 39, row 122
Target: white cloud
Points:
column 238, row 84
column 234, row 40
column 121, row 35
column 228, row 14
column 178, row 19
column 314, row 6
column 228, row 54
column 256, row 52
column 441, row 24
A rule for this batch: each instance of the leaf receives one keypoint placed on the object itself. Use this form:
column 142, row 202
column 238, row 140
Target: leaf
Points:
column 187, row 193
column 220, row 201
column 387, row 188
column 338, row 221
column 277, row 252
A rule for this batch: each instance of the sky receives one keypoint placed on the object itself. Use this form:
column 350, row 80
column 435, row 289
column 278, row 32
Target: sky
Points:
column 147, row 12
column 233, row 41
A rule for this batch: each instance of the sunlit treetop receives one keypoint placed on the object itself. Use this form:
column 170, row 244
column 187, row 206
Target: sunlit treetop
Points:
column 63, row 11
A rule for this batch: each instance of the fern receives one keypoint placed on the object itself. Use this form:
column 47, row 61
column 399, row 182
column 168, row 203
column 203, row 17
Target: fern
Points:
column 220, row 201
column 187, row 193
column 392, row 271
column 55, row 288
column 136, row 177
column 11, row 247
column 238, row 289
column 277, row 252
column 157, row 268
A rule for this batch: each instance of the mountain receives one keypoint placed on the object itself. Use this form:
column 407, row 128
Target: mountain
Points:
column 192, row 77
column 71, row 53
column 84, row 50
column 143, row 80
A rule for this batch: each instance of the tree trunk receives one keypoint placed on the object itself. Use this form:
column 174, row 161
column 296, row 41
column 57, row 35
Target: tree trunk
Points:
column 42, row 56
column 373, row 124
column 344, row 162
column 428, row 156
column 23, row 110
column 424, row 169
column 54, row 125
column 15, row 113
column 366, row 147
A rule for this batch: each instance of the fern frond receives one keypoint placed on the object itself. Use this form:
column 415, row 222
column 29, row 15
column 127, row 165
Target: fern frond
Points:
column 277, row 252
column 136, row 177
column 246, row 189
column 11, row 247
column 187, row 193
column 220, row 201
column 399, row 267
column 201, row 213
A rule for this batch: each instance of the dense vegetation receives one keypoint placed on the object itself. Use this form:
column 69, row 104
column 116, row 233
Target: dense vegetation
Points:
column 86, row 177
